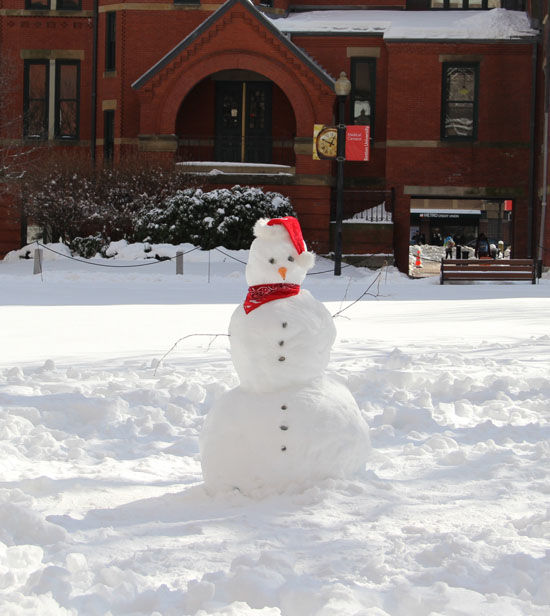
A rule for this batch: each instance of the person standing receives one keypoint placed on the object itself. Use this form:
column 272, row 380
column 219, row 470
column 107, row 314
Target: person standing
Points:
column 482, row 247
column 449, row 245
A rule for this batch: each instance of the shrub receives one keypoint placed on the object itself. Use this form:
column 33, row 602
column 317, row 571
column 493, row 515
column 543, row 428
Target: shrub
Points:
column 223, row 217
column 88, row 247
column 68, row 198
column 88, row 208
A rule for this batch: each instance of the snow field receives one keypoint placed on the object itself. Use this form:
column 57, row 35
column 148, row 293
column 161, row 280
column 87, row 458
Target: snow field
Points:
column 102, row 507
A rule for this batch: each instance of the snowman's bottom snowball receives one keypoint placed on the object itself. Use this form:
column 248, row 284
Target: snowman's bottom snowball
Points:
column 272, row 441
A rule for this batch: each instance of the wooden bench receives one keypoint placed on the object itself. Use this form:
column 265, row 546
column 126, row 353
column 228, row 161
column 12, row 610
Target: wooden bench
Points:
column 488, row 269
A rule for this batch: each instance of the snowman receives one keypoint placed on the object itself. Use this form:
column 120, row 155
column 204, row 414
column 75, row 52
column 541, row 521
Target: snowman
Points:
column 288, row 423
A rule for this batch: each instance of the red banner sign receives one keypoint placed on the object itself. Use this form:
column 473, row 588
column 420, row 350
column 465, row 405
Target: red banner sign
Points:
column 357, row 142
column 508, row 205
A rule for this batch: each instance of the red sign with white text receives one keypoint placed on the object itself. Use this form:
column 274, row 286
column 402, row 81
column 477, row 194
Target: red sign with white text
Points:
column 357, row 142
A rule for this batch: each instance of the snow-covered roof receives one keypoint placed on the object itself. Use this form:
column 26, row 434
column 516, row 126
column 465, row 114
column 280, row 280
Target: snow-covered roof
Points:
column 497, row 24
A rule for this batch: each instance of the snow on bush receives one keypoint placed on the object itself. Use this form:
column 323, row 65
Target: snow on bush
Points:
column 222, row 217
column 88, row 208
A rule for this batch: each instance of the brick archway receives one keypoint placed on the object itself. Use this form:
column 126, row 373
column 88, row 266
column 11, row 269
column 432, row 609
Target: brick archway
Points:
column 298, row 93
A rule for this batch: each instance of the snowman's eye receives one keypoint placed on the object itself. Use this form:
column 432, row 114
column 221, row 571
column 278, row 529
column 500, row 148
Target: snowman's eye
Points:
column 272, row 260
column 291, row 258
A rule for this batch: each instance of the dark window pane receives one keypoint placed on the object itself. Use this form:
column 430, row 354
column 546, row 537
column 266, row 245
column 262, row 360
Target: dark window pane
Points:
column 461, row 84
column 363, row 74
column 67, row 99
column 36, row 119
column 67, row 119
column 68, row 5
column 460, row 120
column 35, row 99
column 459, row 108
column 68, row 81
column 256, row 113
column 231, row 111
column 37, row 4
column 108, row 134
column 37, row 80
column 110, row 41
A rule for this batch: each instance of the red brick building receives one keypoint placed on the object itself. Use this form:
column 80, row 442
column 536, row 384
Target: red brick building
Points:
column 238, row 86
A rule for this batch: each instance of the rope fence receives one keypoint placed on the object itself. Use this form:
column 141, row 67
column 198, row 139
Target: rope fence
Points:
column 179, row 256
column 87, row 262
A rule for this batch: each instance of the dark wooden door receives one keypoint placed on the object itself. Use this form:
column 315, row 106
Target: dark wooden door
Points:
column 229, row 122
column 243, row 122
column 258, row 123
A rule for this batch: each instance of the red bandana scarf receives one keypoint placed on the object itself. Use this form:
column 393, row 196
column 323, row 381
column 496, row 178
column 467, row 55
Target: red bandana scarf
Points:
column 260, row 294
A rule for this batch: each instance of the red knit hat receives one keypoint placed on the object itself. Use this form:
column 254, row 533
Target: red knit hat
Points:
column 292, row 227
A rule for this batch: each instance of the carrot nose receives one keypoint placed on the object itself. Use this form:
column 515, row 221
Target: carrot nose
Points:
column 282, row 272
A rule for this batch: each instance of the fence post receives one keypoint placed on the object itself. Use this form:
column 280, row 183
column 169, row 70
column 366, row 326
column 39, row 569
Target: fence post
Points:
column 179, row 263
column 37, row 261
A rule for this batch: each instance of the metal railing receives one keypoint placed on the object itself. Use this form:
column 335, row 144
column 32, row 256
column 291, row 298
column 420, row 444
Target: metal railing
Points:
column 378, row 213
column 366, row 205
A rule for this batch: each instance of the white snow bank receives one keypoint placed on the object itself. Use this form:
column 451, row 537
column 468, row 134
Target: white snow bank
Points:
column 51, row 252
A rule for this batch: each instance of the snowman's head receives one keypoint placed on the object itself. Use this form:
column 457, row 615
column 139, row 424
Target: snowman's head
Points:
column 278, row 254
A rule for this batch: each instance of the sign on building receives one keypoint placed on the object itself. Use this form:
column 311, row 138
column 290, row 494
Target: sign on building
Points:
column 357, row 143
column 325, row 142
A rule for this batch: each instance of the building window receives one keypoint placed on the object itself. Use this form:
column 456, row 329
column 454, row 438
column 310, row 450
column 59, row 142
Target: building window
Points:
column 69, row 5
column 43, row 5
column 460, row 101
column 67, row 98
column 46, row 81
column 363, row 80
column 54, row 5
column 108, row 135
column 35, row 99
column 110, row 41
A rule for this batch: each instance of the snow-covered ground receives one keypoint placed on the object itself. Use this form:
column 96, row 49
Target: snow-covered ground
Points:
column 102, row 508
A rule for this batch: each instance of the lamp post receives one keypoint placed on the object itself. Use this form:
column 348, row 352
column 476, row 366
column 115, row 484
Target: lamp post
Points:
column 342, row 87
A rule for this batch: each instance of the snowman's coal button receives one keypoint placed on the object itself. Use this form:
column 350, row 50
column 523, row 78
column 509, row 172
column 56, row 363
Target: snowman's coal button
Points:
column 283, row 427
column 285, row 324
column 281, row 342
column 284, row 407
column 282, row 358
column 283, row 448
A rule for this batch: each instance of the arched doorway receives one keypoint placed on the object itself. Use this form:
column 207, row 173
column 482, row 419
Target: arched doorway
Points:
column 236, row 116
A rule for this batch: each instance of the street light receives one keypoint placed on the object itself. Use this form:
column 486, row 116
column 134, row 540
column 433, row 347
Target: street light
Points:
column 342, row 87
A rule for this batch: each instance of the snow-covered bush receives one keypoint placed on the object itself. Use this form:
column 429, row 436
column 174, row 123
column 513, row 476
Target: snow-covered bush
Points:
column 88, row 208
column 89, row 246
column 68, row 198
column 222, row 217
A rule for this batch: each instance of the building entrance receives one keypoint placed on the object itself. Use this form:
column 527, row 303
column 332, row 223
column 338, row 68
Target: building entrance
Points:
column 243, row 121
column 432, row 220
